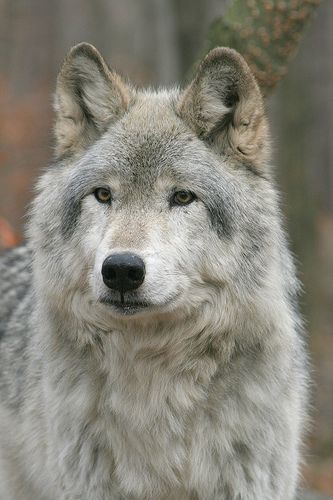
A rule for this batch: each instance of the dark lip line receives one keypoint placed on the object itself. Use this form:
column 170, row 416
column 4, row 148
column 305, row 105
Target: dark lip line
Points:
column 125, row 305
column 132, row 306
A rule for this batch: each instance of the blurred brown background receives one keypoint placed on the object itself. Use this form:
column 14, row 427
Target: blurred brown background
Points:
column 156, row 42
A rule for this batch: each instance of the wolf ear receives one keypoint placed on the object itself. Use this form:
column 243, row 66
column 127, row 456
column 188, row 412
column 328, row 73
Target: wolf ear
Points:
column 89, row 97
column 224, row 106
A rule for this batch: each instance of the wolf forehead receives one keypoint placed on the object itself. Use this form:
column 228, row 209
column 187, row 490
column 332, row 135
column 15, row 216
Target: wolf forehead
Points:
column 149, row 142
column 149, row 150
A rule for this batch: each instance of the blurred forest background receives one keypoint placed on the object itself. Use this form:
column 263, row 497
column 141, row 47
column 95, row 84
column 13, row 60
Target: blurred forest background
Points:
column 157, row 42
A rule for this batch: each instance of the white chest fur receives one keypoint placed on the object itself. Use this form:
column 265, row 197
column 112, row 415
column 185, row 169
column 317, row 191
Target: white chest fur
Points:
column 152, row 403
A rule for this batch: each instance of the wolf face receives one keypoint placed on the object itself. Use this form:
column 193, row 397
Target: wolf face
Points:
column 162, row 201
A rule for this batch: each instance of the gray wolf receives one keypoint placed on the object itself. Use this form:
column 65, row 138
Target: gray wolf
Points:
column 151, row 346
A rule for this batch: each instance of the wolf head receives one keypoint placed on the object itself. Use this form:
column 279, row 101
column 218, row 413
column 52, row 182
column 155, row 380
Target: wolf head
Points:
column 158, row 202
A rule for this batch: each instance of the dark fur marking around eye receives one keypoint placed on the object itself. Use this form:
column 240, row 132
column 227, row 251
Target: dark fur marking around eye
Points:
column 71, row 210
column 80, row 184
column 70, row 216
column 220, row 217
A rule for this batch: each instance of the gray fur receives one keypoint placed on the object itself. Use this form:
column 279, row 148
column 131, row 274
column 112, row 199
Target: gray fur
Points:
column 202, row 393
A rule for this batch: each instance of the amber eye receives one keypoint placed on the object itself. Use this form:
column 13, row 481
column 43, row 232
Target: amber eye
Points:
column 183, row 198
column 102, row 195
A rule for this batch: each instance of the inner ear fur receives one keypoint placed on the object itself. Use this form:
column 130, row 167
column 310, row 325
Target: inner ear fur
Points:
column 224, row 106
column 89, row 97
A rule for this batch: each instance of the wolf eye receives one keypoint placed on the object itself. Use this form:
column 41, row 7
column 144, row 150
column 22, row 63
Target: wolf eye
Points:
column 182, row 198
column 102, row 195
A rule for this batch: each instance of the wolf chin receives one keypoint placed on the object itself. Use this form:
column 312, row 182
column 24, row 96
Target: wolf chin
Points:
column 150, row 341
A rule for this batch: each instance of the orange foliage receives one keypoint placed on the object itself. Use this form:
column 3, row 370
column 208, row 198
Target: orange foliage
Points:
column 320, row 476
column 8, row 238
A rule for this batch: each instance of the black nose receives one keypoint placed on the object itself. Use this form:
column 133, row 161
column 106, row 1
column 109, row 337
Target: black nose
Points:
column 123, row 271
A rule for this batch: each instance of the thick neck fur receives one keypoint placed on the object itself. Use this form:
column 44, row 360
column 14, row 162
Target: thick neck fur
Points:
column 170, row 347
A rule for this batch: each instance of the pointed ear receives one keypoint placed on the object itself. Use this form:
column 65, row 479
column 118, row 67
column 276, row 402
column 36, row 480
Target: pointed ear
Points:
column 89, row 97
column 224, row 106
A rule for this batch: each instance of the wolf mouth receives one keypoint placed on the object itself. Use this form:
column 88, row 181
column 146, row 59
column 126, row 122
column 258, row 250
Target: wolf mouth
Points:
column 132, row 306
column 126, row 308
